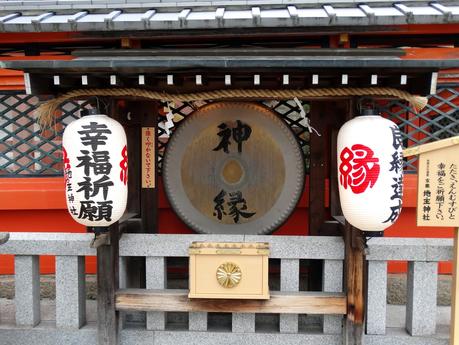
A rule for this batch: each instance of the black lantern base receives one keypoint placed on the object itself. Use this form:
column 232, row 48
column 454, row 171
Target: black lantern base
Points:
column 98, row 229
column 373, row 233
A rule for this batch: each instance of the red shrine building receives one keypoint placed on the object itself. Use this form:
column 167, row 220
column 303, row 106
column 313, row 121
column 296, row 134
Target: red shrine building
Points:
column 336, row 43
column 231, row 110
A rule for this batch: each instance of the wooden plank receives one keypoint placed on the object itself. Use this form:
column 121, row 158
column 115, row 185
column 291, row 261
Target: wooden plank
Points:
column 436, row 145
column 148, row 157
column 280, row 302
column 438, row 187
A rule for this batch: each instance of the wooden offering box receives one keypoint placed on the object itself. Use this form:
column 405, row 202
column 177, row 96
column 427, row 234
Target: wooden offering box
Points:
column 229, row 270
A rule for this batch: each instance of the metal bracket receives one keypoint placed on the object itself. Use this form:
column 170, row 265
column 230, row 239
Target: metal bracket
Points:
column 100, row 240
column 4, row 237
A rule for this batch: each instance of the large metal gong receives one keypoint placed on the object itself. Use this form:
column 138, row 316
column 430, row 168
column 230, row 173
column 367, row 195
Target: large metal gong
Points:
column 233, row 168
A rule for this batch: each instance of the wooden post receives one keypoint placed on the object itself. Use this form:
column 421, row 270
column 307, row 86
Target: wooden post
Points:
column 454, row 326
column 149, row 204
column 335, row 206
column 325, row 117
column 143, row 202
column 317, row 175
column 107, row 284
column 355, row 272
column 132, row 127
column 318, row 168
column 107, row 279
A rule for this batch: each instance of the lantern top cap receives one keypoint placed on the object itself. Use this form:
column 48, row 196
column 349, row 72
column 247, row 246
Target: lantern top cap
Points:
column 90, row 111
column 369, row 112
column 437, row 145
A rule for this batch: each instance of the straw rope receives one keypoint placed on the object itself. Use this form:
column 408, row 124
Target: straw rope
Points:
column 46, row 112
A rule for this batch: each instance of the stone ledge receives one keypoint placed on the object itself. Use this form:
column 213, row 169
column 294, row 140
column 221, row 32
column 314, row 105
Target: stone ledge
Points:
column 46, row 334
column 285, row 247
column 410, row 249
column 48, row 243
column 397, row 336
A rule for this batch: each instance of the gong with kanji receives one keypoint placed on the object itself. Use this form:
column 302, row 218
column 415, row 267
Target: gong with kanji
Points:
column 233, row 168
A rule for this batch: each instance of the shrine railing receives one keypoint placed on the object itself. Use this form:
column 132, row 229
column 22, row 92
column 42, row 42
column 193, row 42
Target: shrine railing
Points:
column 420, row 325
column 183, row 321
column 272, row 326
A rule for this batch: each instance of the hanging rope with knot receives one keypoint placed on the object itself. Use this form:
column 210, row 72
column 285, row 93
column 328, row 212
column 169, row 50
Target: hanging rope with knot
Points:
column 47, row 111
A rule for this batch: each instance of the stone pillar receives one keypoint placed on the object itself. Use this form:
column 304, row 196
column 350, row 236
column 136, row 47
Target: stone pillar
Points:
column 290, row 281
column 376, row 300
column 332, row 282
column 70, row 292
column 421, row 306
column 27, row 290
column 156, row 279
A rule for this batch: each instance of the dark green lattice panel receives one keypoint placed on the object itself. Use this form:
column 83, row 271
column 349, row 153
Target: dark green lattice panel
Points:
column 439, row 120
column 25, row 149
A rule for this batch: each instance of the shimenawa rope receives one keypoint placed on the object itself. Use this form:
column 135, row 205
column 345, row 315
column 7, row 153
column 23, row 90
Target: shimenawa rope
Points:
column 46, row 112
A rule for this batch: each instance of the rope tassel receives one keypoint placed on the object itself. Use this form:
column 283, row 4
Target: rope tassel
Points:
column 47, row 112
column 306, row 120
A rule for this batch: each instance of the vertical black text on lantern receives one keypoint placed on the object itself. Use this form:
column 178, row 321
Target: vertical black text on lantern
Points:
column 396, row 165
column 95, row 161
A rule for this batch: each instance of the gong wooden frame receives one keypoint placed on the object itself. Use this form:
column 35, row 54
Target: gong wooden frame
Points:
column 325, row 217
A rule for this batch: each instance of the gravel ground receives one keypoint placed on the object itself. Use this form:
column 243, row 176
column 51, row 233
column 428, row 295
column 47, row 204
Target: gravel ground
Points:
column 396, row 289
column 396, row 293
column 47, row 287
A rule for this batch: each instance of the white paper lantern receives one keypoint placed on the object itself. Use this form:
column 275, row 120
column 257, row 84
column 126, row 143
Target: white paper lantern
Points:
column 95, row 170
column 370, row 172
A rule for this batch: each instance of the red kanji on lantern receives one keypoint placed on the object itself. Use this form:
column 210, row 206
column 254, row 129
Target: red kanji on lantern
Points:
column 124, row 165
column 358, row 169
column 66, row 159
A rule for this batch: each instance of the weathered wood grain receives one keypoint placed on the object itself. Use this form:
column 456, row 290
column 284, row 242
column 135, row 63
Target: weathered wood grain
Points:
column 280, row 302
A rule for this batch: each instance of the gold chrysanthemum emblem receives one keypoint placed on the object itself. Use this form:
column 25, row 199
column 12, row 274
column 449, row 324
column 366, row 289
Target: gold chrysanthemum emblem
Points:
column 229, row 275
